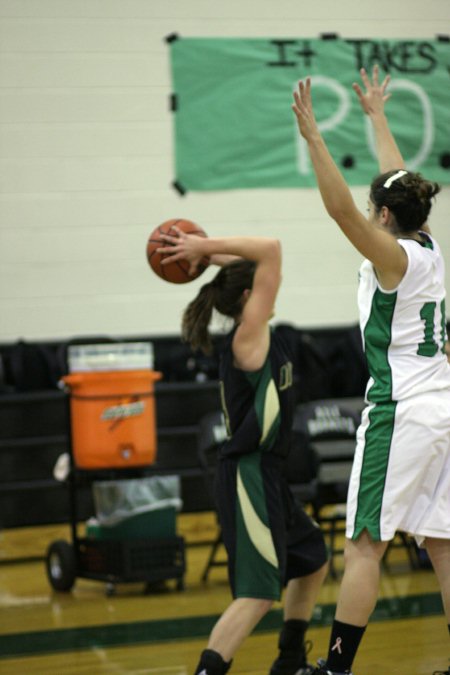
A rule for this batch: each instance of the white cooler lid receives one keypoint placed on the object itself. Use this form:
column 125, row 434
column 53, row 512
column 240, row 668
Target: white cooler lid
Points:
column 110, row 356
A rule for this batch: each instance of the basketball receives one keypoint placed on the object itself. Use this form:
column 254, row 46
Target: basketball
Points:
column 176, row 272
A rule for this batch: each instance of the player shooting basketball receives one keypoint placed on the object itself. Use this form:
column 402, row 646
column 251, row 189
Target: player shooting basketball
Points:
column 270, row 542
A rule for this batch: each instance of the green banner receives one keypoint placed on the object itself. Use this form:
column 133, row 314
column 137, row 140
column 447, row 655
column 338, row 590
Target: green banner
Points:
column 234, row 127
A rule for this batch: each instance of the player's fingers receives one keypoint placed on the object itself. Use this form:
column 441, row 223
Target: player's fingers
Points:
column 169, row 250
column 170, row 239
column 296, row 107
column 385, row 83
column 192, row 268
column 365, row 78
column 178, row 232
column 171, row 257
column 375, row 72
column 299, row 107
column 357, row 89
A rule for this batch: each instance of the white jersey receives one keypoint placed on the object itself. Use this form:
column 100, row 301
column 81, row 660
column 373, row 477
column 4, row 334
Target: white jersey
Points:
column 404, row 330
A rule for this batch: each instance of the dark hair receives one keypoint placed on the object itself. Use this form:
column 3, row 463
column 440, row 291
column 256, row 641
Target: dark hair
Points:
column 408, row 197
column 223, row 293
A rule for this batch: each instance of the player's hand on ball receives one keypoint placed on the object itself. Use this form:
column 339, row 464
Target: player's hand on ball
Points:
column 161, row 243
column 182, row 247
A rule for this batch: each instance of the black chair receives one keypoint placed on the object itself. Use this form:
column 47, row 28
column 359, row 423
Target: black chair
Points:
column 326, row 430
column 211, row 434
column 301, row 470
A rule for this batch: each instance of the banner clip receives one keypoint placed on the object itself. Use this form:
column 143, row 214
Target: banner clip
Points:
column 179, row 188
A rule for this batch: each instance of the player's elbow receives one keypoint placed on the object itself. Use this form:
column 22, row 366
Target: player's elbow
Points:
column 274, row 249
column 343, row 216
column 276, row 259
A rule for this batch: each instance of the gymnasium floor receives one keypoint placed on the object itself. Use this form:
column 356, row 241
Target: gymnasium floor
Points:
column 161, row 633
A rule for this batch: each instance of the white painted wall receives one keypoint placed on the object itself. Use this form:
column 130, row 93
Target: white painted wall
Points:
column 86, row 163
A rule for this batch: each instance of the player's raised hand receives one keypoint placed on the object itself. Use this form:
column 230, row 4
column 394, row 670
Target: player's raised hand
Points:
column 374, row 97
column 303, row 110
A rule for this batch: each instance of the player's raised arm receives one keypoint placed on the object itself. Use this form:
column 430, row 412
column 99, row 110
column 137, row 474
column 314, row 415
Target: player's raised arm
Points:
column 372, row 100
column 373, row 241
column 254, row 302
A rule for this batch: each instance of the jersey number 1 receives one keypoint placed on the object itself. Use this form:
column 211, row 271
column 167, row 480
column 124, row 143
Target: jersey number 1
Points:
column 429, row 347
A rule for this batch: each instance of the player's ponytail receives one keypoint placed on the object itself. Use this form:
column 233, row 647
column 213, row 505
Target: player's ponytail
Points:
column 196, row 318
column 223, row 293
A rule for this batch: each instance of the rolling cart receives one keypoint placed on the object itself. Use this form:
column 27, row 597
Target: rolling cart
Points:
column 112, row 427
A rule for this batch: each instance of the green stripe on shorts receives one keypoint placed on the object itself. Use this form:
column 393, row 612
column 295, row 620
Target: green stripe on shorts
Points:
column 256, row 567
column 377, row 447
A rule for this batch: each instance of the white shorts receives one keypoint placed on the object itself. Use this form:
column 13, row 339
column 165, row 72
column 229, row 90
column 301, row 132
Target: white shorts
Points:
column 401, row 471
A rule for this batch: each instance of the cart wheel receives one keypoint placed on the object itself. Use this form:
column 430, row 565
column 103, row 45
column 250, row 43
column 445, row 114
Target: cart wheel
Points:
column 181, row 585
column 61, row 565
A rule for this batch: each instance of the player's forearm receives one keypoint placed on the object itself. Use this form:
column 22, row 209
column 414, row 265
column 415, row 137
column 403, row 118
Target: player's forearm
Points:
column 250, row 248
column 388, row 153
column 223, row 259
column 335, row 193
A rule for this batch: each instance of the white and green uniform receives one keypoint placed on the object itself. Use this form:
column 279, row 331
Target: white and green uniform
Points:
column 401, row 472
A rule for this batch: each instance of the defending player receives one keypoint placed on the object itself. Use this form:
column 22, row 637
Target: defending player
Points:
column 401, row 471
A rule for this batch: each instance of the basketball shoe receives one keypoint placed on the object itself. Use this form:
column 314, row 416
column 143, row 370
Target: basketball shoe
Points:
column 288, row 663
column 305, row 670
column 322, row 670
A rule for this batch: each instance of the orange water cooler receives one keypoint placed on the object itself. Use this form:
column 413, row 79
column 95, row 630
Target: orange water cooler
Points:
column 113, row 418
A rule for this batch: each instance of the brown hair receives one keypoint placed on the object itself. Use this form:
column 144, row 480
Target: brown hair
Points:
column 408, row 198
column 223, row 293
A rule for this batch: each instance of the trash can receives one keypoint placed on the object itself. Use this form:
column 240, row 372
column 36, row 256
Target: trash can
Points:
column 113, row 418
column 133, row 536
column 135, row 508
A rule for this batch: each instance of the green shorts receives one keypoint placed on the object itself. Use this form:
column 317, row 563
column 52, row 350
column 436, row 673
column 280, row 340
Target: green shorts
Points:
column 268, row 538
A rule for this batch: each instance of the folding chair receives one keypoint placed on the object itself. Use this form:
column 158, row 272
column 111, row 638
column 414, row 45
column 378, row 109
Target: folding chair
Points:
column 211, row 434
column 326, row 428
column 301, row 470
